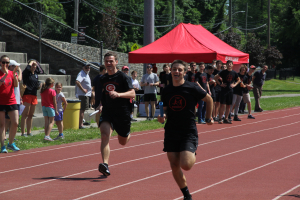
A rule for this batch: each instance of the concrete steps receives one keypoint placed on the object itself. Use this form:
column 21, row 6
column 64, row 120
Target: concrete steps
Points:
column 64, row 79
column 19, row 57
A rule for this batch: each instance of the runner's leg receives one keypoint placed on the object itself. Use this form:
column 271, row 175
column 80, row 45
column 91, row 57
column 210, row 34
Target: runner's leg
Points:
column 106, row 132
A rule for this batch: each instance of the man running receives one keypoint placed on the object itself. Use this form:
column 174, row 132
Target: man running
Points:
column 181, row 135
column 115, row 107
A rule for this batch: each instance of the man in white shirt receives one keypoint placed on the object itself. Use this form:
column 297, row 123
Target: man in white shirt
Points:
column 84, row 91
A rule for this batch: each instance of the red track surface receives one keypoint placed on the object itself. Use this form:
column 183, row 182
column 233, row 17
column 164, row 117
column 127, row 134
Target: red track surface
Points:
column 251, row 159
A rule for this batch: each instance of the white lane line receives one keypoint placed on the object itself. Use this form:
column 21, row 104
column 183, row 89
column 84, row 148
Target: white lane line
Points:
column 195, row 164
column 283, row 194
column 128, row 161
column 76, row 145
column 66, row 159
column 243, row 173
column 146, row 133
column 146, row 158
column 12, row 170
column 133, row 135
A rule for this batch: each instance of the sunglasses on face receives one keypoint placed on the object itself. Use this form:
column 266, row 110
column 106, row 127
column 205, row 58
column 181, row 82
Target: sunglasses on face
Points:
column 87, row 67
column 149, row 67
column 3, row 62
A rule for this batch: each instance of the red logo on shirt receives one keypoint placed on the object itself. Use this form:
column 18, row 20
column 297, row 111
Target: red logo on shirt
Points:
column 204, row 79
column 229, row 78
column 110, row 87
column 177, row 103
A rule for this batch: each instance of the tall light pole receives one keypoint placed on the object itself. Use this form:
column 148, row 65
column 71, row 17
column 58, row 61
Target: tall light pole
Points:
column 76, row 11
column 148, row 23
column 269, row 22
column 246, row 19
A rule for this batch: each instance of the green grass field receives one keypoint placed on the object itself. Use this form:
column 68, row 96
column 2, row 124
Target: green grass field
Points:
column 271, row 87
column 276, row 87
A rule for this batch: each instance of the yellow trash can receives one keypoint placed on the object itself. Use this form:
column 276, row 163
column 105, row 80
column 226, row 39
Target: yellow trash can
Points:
column 71, row 114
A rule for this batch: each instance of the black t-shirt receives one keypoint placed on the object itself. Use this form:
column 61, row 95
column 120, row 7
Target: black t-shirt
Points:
column 218, row 87
column 259, row 78
column 228, row 78
column 201, row 78
column 211, row 86
column 98, row 89
column 118, row 82
column 162, row 77
column 180, row 102
column 31, row 81
column 249, row 79
column 191, row 77
column 238, row 89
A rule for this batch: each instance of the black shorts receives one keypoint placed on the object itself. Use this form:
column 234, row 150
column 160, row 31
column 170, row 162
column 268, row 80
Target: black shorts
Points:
column 6, row 113
column 226, row 97
column 119, row 122
column 8, row 108
column 217, row 96
column 180, row 145
column 149, row 97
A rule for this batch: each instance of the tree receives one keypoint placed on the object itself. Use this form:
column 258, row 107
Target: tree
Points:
column 272, row 56
column 255, row 50
column 232, row 38
column 109, row 31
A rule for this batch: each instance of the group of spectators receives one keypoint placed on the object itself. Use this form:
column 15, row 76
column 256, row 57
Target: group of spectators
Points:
column 228, row 89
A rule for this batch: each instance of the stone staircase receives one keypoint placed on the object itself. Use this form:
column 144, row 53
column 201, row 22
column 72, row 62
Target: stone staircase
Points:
column 68, row 89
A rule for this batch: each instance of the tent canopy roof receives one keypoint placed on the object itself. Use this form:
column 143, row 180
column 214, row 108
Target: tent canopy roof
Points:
column 188, row 42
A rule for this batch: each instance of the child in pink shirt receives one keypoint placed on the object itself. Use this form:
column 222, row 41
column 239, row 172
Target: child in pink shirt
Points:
column 48, row 106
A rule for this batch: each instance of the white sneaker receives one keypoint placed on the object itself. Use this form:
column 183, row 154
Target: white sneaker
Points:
column 48, row 138
column 135, row 105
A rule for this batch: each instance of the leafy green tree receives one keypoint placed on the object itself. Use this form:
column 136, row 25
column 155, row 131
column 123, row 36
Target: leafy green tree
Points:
column 255, row 50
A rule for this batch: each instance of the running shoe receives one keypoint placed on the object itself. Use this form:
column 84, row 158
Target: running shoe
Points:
column 133, row 120
column 3, row 150
column 59, row 137
column 251, row 117
column 188, row 198
column 81, row 127
column 24, row 135
column 30, row 134
column 103, row 168
column 236, row 118
column 220, row 121
column 12, row 147
column 226, row 121
column 48, row 138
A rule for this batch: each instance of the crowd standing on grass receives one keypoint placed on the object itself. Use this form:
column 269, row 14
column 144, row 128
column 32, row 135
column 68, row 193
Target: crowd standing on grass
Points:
column 31, row 85
column 12, row 65
column 149, row 81
column 60, row 99
column 49, row 106
column 8, row 103
column 83, row 91
column 258, row 79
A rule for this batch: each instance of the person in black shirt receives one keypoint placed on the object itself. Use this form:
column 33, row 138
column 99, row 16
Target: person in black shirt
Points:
column 115, row 107
column 230, row 80
column 238, row 92
column 246, row 95
column 31, row 82
column 191, row 75
column 163, row 76
column 217, row 89
column 201, row 78
column 181, row 135
column 258, row 80
column 97, row 88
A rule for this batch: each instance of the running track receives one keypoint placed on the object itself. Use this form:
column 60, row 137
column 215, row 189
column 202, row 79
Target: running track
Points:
column 251, row 159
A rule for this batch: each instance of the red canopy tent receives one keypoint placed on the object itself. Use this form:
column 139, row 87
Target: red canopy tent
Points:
column 188, row 42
